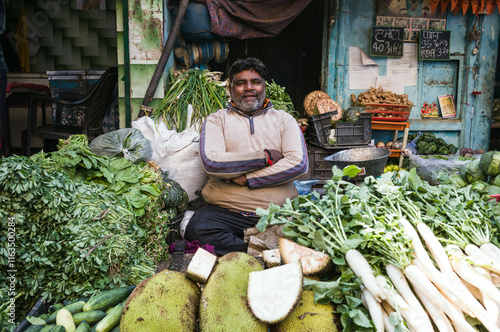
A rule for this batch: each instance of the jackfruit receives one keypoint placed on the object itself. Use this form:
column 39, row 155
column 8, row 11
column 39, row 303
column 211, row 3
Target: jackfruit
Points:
column 167, row 301
column 223, row 305
column 271, row 257
column 313, row 262
column 201, row 266
column 308, row 317
column 273, row 293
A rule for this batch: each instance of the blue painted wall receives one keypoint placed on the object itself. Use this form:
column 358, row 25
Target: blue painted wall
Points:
column 348, row 23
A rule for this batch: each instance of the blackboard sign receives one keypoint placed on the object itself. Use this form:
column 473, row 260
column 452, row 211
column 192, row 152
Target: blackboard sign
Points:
column 387, row 41
column 434, row 45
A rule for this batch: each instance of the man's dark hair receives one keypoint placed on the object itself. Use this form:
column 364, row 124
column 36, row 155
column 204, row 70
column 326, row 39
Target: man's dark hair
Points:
column 248, row 64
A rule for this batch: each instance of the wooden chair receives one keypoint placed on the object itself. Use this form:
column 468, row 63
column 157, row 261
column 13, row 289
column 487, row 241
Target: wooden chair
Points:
column 93, row 106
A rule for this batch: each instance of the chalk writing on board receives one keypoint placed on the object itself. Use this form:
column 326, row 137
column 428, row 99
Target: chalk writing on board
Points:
column 434, row 45
column 387, row 41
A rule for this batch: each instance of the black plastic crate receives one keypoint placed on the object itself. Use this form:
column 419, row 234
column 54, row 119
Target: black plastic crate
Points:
column 319, row 169
column 319, row 128
column 345, row 133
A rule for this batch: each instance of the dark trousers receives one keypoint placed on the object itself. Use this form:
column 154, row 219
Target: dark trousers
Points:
column 220, row 228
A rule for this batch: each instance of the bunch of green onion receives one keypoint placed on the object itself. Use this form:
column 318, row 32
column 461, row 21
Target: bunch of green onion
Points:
column 202, row 89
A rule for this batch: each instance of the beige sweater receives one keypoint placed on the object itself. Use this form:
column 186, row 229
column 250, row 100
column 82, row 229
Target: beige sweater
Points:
column 232, row 144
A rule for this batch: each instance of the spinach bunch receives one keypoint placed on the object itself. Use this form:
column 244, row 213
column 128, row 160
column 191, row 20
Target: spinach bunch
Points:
column 72, row 238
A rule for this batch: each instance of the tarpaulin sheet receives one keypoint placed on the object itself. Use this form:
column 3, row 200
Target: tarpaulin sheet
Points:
column 246, row 19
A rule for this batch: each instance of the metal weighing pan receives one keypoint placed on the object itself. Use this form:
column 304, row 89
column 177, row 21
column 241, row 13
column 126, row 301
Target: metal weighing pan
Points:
column 371, row 160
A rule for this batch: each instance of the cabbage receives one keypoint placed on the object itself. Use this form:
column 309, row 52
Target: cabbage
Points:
column 495, row 180
column 457, row 181
column 490, row 163
column 493, row 190
column 471, row 171
column 478, row 185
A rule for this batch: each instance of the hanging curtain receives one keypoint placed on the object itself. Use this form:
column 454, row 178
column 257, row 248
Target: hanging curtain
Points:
column 244, row 19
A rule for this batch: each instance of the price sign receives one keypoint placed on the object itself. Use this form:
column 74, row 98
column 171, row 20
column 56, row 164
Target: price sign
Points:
column 434, row 45
column 387, row 41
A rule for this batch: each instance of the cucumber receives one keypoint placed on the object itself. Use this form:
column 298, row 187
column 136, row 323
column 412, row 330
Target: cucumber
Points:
column 111, row 320
column 83, row 327
column 74, row 308
column 65, row 318
column 47, row 327
column 58, row 328
column 108, row 299
column 55, row 307
column 116, row 329
column 34, row 328
column 44, row 316
column 91, row 317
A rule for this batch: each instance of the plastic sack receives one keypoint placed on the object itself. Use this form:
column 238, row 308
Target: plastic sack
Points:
column 128, row 143
column 175, row 153
column 430, row 167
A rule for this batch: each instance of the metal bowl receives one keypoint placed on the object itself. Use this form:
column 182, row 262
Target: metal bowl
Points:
column 371, row 160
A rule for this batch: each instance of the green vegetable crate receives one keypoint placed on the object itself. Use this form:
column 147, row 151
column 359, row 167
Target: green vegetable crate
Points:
column 345, row 133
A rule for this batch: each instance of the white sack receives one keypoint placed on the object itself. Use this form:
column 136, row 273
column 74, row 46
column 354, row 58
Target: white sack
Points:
column 177, row 153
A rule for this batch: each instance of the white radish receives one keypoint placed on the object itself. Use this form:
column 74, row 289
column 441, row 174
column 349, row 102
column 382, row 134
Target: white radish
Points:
column 467, row 272
column 374, row 308
column 413, row 320
column 439, row 280
column 399, row 281
column 388, row 311
column 358, row 264
column 491, row 306
column 492, row 250
column 479, row 257
column 470, row 302
column 419, row 281
column 418, row 247
column 436, row 249
column 387, row 323
column 473, row 290
column 495, row 279
column 438, row 316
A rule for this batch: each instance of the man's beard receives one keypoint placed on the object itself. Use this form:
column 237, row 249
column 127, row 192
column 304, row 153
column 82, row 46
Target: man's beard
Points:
column 249, row 107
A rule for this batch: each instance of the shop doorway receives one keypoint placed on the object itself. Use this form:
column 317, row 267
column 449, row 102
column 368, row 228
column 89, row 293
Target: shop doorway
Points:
column 293, row 58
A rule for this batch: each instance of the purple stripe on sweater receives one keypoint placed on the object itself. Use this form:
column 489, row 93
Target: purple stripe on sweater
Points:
column 285, row 176
column 227, row 166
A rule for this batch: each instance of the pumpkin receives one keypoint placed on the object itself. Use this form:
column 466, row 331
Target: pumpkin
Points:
column 352, row 114
column 174, row 196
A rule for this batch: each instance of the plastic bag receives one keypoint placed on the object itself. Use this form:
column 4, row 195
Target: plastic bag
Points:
column 304, row 187
column 129, row 143
column 430, row 167
column 412, row 146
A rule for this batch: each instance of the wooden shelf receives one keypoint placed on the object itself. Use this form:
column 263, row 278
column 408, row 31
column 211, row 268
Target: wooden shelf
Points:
column 394, row 126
